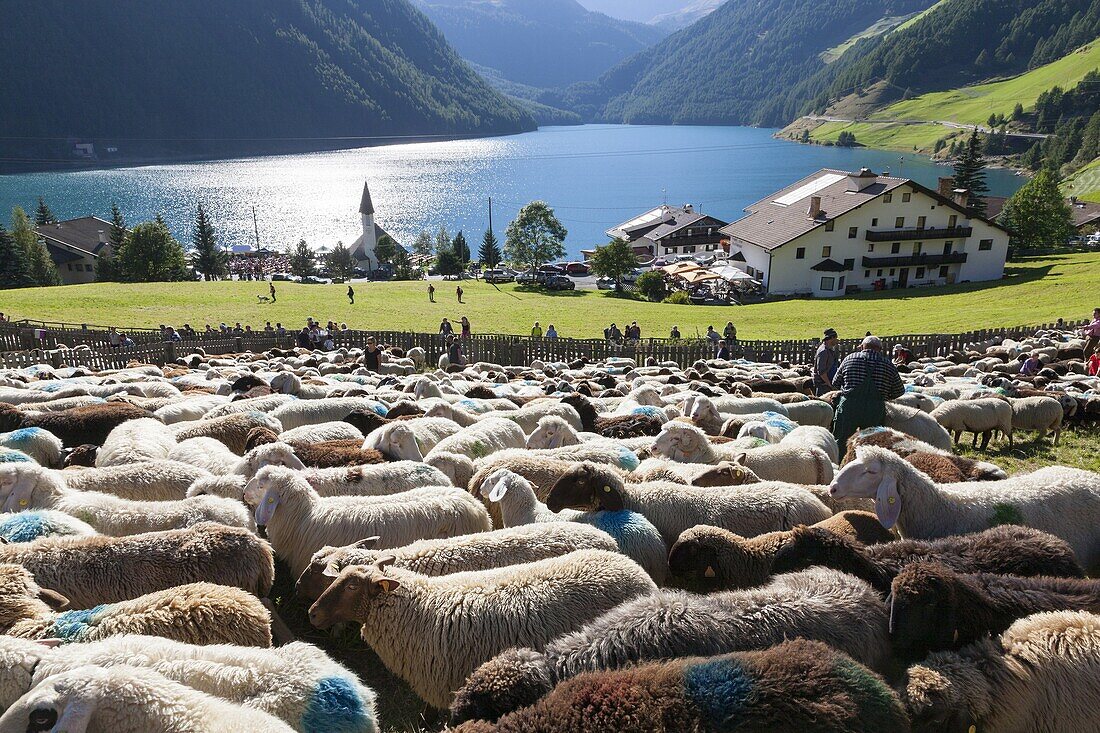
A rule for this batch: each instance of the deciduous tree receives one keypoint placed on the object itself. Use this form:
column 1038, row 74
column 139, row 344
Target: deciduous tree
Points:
column 385, row 250
column 1037, row 214
column 151, row 254
column 535, row 236
column 614, row 260
column 339, row 262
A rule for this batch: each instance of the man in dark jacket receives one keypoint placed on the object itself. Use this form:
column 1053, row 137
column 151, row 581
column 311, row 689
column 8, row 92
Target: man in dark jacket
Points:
column 866, row 379
column 826, row 362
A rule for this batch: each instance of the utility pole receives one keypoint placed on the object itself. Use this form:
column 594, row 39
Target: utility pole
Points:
column 256, row 228
column 490, row 213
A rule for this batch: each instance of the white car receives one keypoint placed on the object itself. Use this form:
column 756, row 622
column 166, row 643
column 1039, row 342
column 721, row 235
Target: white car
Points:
column 605, row 283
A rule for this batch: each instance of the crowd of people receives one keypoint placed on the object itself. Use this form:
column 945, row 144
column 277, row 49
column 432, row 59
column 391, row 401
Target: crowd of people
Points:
column 257, row 267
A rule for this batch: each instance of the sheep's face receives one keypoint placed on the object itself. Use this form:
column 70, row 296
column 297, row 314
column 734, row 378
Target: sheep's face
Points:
column 21, row 597
column 923, row 611
column 265, row 492
column 400, row 443
column 275, row 454
column 351, row 593
column 17, row 485
column 755, row 429
column 866, row 477
column 694, row 558
column 326, row 564
column 678, row 443
column 550, row 433
column 702, row 411
column 495, row 487
column 726, row 474
column 935, row 703
column 586, row 487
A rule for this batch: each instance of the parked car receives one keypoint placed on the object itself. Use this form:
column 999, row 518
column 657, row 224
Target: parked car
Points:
column 605, row 283
column 576, row 268
column 359, row 272
column 560, row 282
column 497, row 276
column 282, row 277
column 630, row 277
column 527, row 278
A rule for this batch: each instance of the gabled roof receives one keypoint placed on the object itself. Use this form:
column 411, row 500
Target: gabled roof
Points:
column 830, row 265
column 81, row 234
column 366, row 206
column 61, row 255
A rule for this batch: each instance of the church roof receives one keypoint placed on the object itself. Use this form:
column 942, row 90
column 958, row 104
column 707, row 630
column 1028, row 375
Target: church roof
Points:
column 366, row 206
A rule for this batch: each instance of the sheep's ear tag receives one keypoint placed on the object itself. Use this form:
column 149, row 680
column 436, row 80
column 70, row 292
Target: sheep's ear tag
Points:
column 709, row 573
column 387, row 585
column 607, row 489
column 972, row 729
column 955, row 640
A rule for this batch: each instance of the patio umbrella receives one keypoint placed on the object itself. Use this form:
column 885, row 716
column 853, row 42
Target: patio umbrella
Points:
column 731, row 273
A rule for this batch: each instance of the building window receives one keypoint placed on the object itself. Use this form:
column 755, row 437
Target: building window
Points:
column 918, row 247
column 985, row 245
column 899, row 222
column 892, row 271
column 826, row 251
column 947, row 247
column 943, row 271
column 800, row 253
column 888, row 198
column 827, row 283
column 951, row 222
column 829, row 226
column 866, row 273
column 849, row 264
column 920, row 272
column 70, row 267
column 895, row 248
column 906, row 198
column 874, row 222
column 921, row 221
column 878, row 274
column 852, row 232
column 689, row 248
column 871, row 247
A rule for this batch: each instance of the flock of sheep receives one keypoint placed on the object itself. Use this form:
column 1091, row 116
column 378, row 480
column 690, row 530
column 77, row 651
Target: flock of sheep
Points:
column 552, row 547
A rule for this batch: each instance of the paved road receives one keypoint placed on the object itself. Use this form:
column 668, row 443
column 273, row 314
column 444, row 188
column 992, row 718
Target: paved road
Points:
column 945, row 123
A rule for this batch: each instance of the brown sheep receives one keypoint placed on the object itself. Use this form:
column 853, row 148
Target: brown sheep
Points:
column 76, row 426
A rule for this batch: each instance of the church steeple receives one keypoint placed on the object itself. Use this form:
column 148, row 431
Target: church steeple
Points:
column 366, row 206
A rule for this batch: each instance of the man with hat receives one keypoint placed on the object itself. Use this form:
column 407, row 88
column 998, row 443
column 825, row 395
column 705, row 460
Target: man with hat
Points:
column 826, row 362
column 866, row 379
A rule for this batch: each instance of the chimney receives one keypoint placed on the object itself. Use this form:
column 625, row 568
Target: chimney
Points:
column 946, row 187
column 962, row 197
column 815, row 207
column 859, row 181
column 102, row 237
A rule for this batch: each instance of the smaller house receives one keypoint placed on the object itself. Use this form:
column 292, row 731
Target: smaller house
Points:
column 669, row 232
column 75, row 246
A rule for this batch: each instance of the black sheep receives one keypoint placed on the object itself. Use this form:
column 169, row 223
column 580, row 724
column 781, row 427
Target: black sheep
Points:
column 619, row 426
column 1006, row 549
column 933, row 608
column 76, row 426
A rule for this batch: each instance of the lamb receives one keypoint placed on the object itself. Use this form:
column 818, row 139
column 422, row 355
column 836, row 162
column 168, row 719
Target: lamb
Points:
column 673, row 508
column 1040, row 674
column 411, row 440
column 199, row 613
column 297, row 413
column 919, row 424
column 29, row 526
column 980, row 416
column 797, row 464
column 488, row 435
column 150, row 481
column 128, row 700
column 232, row 430
column 817, row 437
column 433, row 631
column 297, row 683
column 191, row 408
column 635, row 536
column 1042, row 414
column 805, row 685
column 941, row 466
column 136, row 441
column 209, row 454
column 93, row 569
column 1059, row 500
column 75, row 426
column 480, row 551
column 41, row 445
column 31, row 487
column 933, row 608
column 735, row 562
column 817, row 604
column 299, row 521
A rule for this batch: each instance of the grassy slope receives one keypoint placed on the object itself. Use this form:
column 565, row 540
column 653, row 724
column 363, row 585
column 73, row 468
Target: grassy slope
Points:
column 1085, row 183
column 880, row 27
column 918, row 16
column 968, row 105
column 1036, row 291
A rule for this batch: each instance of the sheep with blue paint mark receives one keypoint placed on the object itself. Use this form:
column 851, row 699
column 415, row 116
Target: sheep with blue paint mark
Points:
column 819, row 604
column 29, row 526
column 41, row 445
column 198, row 613
column 28, row 486
column 635, row 535
column 9, row 455
column 798, row 685
column 433, row 631
column 297, row 683
column 128, row 700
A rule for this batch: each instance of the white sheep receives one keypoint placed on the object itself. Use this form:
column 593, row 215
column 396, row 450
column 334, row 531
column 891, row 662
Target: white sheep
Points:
column 29, row 526
column 297, row 413
column 528, row 416
column 135, row 441
column 1041, row 414
column 128, row 700
column 299, row 521
column 26, row 486
column 190, row 408
column 483, row 438
column 552, row 432
column 816, row 436
column 41, row 445
column 811, row 412
column 411, row 440
column 297, row 683
column 149, row 481
column 321, row 433
column 983, row 416
column 921, row 425
column 206, row 453
column 433, row 631
column 1062, row 501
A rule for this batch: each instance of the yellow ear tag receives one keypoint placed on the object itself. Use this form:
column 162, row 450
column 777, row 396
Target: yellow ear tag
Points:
column 972, row 729
column 709, row 573
column 607, row 489
column 271, row 500
column 891, row 500
column 955, row 638
column 22, row 502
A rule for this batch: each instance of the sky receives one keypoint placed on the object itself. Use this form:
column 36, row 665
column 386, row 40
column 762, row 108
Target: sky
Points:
column 642, row 10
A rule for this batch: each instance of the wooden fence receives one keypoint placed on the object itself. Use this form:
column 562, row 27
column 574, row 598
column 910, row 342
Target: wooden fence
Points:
column 23, row 346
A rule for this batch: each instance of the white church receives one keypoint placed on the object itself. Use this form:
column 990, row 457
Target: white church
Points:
column 362, row 249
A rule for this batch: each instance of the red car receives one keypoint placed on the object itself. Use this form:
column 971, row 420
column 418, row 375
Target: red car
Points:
column 577, row 268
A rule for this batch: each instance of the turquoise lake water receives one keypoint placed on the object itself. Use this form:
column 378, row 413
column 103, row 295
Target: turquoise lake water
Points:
column 595, row 177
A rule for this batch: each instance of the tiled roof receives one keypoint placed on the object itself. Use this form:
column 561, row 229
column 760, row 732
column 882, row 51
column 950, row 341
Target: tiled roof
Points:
column 82, row 233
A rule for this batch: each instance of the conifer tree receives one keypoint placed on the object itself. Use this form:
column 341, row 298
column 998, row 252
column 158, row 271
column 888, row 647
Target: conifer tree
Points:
column 489, row 255
column 43, row 215
column 970, row 173
column 42, row 269
column 207, row 257
column 14, row 270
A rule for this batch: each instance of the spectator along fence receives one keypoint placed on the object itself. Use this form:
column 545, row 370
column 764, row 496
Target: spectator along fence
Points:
column 27, row 343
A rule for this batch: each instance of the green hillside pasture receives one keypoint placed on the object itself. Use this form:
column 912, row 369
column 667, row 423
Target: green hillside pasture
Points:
column 886, row 135
column 1038, row 290
column 1085, row 183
